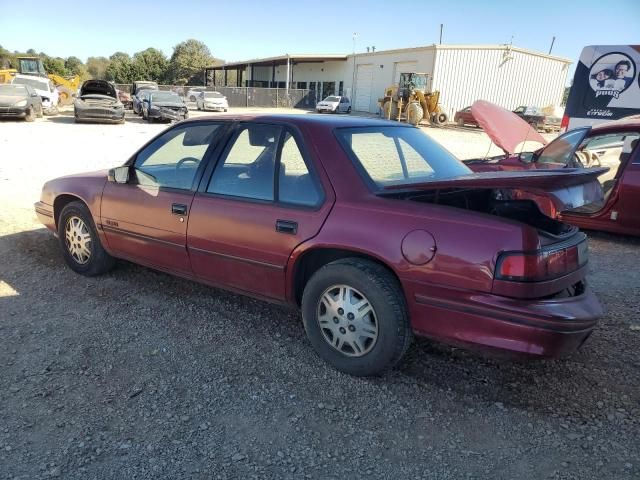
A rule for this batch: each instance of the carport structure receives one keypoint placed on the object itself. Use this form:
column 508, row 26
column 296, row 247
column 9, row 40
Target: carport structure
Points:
column 284, row 71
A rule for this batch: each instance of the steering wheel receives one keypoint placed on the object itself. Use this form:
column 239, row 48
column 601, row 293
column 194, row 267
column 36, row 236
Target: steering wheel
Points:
column 185, row 160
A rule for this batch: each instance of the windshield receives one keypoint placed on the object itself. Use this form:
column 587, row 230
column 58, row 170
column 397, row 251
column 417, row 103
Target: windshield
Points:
column 561, row 150
column 332, row 99
column 213, row 95
column 13, row 90
column 33, row 82
column 165, row 97
column 399, row 155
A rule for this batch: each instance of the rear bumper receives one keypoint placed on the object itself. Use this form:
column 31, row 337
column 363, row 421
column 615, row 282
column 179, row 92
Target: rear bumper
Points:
column 546, row 328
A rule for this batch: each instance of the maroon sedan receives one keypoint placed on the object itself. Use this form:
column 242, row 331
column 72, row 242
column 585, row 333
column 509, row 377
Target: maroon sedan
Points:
column 370, row 227
column 465, row 117
column 612, row 145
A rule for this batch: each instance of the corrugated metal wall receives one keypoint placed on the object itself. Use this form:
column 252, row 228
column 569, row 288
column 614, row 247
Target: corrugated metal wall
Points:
column 506, row 77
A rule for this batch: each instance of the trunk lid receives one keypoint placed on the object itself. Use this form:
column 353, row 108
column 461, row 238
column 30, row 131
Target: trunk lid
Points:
column 565, row 188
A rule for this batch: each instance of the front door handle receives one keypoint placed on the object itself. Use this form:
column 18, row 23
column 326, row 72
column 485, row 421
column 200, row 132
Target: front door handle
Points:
column 287, row 226
column 178, row 209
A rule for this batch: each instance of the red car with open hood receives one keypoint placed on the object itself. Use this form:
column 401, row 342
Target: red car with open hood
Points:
column 611, row 145
column 371, row 228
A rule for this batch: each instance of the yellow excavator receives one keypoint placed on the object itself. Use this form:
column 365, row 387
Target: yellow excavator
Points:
column 33, row 66
column 410, row 101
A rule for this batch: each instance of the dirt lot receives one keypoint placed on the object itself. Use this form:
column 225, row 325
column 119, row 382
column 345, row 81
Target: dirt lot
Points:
column 140, row 375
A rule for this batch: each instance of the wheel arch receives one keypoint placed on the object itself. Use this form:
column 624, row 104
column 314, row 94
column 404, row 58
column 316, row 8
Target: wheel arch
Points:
column 311, row 260
column 62, row 201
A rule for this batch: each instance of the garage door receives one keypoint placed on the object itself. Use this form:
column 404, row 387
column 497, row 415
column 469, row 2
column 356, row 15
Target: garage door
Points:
column 403, row 67
column 364, row 81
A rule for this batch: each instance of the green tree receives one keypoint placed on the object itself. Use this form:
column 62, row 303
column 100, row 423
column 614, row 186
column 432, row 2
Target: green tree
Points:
column 150, row 64
column 75, row 66
column 97, row 67
column 188, row 61
column 121, row 68
column 54, row 65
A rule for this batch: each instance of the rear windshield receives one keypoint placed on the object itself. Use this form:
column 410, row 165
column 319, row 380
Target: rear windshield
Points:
column 13, row 90
column 213, row 95
column 399, row 155
column 165, row 97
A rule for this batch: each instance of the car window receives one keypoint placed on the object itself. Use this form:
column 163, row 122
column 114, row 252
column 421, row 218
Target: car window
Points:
column 248, row 168
column 172, row 159
column 395, row 155
column 295, row 183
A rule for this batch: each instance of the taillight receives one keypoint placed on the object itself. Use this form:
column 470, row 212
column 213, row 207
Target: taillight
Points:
column 542, row 264
column 564, row 124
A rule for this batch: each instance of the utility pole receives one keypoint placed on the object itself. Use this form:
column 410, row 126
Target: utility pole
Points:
column 353, row 77
column 441, row 27
column 553, row 40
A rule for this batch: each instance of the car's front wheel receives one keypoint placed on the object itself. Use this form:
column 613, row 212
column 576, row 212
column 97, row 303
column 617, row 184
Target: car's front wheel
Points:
column 355, row 316
column 80, row 243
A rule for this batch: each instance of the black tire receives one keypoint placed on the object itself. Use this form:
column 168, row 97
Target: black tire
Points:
column 99, row 260
column 192, row 98
column 31, row 115
column 442, row 118
column 349, row 110
column 384, row 294
column 144, row 115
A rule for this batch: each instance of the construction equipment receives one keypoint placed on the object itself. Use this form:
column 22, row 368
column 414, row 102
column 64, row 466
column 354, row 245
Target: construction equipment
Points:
column 33, row 66
column 411, row 102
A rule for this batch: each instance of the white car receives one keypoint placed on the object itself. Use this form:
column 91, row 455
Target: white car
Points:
column 43, row 87
column 212, row 101
column 193, row 93
column 334, row 104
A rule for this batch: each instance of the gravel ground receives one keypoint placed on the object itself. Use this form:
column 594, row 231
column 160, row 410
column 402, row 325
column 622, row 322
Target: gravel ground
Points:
column 137, row 374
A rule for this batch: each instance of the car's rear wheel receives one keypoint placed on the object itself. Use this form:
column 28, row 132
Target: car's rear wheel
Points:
column 355, row 316
column 80, row 243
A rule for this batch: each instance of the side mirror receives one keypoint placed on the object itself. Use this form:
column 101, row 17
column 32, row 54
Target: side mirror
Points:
column 119, row 174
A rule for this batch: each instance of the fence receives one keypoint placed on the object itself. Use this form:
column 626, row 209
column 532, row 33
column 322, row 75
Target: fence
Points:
column 248, row 96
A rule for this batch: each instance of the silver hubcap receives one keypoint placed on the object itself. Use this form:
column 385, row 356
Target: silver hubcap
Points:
column 78, row 240
column 347, row 320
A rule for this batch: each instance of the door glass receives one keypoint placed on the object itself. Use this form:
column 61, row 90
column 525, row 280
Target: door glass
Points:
column 296, row 186
column 172, row 159
column 249, row 165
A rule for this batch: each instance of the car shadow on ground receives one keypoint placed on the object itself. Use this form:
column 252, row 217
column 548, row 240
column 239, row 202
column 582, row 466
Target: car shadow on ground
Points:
column 472, row 376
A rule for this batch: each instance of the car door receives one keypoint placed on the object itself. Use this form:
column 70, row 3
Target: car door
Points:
column 627, row 213
column 145, row 220
column 264, row 197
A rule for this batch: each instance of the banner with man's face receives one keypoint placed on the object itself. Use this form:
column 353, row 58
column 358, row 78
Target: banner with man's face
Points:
column 606, row 84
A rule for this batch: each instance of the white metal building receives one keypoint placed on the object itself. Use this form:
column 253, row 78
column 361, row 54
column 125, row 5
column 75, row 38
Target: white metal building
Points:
column 503, row 74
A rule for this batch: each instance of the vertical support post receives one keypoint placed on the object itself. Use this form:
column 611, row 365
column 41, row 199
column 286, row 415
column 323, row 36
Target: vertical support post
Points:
column 288, row 73
column 225, row 77
column 273, row 74
column 251, row 73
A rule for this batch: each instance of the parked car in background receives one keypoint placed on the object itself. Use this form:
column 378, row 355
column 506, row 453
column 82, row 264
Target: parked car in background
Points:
column 126, row 99
column 193, row 93
column 464, row 117
column 98, row 102
column 613, row 145
column 212, row 101
column 372, row 228
column 162, row 106
column 532, row 115
column 43, row 87
column 143, row 85
column 334, row 104
column 138, row 98
column 20, row 101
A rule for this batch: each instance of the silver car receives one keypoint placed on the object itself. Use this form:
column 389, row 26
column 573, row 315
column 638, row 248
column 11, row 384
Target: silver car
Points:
column 212, row 101
column 334, row 104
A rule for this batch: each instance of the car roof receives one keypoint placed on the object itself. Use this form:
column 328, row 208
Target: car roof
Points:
column 312, row 119
column 622, row 124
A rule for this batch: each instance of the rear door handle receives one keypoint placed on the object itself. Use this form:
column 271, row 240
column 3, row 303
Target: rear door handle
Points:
column 287, row 226
column 178, row 209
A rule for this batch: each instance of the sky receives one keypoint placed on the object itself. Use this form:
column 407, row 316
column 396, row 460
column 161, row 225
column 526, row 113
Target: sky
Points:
column 242, row 30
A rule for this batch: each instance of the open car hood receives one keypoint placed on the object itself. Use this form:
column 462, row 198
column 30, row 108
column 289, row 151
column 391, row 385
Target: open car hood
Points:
column 566, row 188
column 505, row 128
